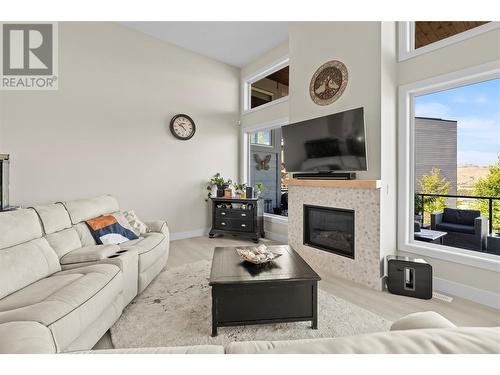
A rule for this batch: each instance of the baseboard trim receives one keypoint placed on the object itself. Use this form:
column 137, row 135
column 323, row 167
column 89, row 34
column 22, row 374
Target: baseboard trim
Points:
column 189, row 234
column 484, row 297
column 277, row 237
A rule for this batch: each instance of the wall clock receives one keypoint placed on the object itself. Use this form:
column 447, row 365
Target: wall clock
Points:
column 328, row 82
column 182, row 127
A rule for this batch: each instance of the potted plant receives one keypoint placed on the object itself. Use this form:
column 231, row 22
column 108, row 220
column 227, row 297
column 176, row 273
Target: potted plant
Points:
column 239, row 189
column 259, row 189
column 217, row 185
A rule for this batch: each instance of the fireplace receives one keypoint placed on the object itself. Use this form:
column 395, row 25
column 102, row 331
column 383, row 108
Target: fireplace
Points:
column 329, row 229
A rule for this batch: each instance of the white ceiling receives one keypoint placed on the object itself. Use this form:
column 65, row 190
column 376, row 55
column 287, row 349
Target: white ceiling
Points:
column 234, row 43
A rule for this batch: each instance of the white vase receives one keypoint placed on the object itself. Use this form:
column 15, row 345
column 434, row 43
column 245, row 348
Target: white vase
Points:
column 213, row 192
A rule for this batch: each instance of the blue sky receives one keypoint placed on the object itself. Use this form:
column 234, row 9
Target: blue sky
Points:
column 476, row 107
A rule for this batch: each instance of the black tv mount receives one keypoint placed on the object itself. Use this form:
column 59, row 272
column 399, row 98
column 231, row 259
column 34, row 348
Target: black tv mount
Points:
column 325, row 176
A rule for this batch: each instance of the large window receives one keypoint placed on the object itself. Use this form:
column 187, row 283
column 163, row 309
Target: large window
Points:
column 266, row 166
column 450, row 164
column 272, row 87
column 418, row 37
column 267, row 86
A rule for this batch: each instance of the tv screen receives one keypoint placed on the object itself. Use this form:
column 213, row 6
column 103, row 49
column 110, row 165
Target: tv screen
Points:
column 326, row 144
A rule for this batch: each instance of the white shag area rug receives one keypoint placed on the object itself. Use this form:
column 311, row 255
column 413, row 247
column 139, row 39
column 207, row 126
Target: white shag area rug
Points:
column 175, row 310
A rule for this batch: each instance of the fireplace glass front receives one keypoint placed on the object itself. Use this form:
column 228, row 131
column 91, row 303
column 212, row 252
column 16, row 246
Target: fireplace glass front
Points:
column 329, row 229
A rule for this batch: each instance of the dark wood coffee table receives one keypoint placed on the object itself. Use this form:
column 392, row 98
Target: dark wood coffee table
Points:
column 284, row 290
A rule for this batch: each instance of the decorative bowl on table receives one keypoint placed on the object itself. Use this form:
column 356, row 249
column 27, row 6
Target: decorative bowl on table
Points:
column 257, row 254
column 236, row 206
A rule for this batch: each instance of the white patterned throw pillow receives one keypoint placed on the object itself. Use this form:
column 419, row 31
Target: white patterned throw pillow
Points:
column 137, row 226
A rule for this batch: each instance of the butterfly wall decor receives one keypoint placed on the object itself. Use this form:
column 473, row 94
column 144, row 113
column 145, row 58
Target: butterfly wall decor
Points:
column 262, row 163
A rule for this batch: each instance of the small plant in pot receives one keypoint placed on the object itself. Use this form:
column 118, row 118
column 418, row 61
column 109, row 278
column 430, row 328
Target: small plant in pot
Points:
column 217, row 185
column 239, row 189
column 259, row 189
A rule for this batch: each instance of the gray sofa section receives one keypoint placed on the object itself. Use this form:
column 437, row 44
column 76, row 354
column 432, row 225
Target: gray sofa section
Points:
column 59, row 290
column 466, row 229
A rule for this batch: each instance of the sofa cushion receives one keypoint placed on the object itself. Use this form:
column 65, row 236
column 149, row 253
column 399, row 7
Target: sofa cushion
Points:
column 457, row 216
column 26, row 263
column 150, row 247
column 137, row 225
column 54, row 217
column 106, row 230
column 25, row 338
column 195, row 349
column 67, row 302
column 457, row 228
column 85, row 209
column 64, row 241
column 469, row 340
column 19, row 226
column 421, row 320
column 84, row 233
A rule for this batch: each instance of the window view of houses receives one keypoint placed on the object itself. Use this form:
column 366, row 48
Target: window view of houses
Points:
column 457, row 167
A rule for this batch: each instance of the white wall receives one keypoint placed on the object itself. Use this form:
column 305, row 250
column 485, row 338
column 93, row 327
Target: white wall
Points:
column 106, row 130
column 388, row 146
column 357, row 45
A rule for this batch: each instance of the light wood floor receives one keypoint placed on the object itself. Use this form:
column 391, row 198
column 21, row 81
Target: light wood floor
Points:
column 459, row 311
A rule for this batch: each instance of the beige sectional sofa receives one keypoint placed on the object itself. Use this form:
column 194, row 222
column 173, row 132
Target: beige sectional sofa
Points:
column 59, row 290
column 418, row 333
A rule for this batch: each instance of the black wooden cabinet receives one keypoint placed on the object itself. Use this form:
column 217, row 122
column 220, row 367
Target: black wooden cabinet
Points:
column 237, row 217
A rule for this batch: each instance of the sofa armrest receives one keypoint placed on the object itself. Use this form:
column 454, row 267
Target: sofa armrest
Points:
column 159, row 226
column 25, row 337
column 436, row 219
column 422, row 320
column 481, row 226
column 89, row 254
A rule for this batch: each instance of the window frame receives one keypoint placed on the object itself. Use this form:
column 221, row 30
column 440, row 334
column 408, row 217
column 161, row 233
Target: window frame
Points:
column 246, row 160
column 406, row 38
column 273, row 140
column 256, row 76
column 406, row 190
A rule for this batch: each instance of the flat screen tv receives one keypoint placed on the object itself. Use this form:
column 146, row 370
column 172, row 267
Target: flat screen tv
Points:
column 326, row 144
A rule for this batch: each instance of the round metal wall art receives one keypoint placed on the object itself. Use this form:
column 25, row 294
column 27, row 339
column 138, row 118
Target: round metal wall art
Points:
column 328, row 82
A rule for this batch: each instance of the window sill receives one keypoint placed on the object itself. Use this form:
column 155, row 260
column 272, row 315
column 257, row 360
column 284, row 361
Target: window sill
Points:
column 277, row 219
column 451, row 254
column 267, row 105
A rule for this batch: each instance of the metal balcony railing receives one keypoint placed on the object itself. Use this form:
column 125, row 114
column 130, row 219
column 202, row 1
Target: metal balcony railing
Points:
column 489, row 199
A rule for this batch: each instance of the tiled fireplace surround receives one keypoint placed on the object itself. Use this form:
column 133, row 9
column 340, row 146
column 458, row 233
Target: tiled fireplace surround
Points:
column 367, row 266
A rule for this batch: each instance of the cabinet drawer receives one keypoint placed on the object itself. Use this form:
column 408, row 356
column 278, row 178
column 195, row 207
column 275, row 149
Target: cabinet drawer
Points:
column 233, row 213
column 234, row 224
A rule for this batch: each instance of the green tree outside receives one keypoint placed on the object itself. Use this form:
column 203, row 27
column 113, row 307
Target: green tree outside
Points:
column 433, row 183
column 489, row 186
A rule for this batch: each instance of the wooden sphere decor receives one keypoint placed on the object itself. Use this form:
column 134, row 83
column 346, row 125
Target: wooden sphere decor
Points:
column 328, row 82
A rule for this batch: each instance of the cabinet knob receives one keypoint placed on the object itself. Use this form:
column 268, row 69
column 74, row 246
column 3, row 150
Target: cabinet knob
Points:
column 223, row 213
column 243, row 214
column 243, row 225
column 223, row 223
